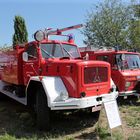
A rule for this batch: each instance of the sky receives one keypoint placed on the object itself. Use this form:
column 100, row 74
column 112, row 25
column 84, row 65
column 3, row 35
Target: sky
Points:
column 41, row 14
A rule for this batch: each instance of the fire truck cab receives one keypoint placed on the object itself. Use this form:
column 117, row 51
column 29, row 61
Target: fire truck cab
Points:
column 51, row 75
column 125, row 68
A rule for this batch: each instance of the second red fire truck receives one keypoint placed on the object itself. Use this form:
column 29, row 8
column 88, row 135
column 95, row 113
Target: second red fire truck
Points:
column 125, row 68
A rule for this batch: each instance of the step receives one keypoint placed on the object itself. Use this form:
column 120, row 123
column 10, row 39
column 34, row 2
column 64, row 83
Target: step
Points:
column 22, row 100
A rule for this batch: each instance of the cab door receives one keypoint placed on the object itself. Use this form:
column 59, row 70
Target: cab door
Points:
column 116, row 73
column 31, row 66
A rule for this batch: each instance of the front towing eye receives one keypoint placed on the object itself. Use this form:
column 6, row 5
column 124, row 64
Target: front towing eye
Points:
column 99, row 99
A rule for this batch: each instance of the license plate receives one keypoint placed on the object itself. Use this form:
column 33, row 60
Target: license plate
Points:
column 96, row 108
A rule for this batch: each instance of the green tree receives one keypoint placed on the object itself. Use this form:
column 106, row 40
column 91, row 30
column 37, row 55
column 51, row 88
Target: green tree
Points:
column 21, row 35
column 136, row 9
column 134, row 28
column 107, row 24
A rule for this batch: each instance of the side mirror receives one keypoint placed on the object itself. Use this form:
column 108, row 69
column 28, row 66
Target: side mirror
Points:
column 122, row 57
column 25, row 56
column 86, row 57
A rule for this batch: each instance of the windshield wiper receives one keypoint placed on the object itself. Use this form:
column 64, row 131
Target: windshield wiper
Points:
column 135, row 65
column 66, row 51
column 47, row 53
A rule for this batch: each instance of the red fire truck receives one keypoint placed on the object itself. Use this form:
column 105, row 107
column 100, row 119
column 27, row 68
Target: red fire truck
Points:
column 50, row 75
column 125, row 68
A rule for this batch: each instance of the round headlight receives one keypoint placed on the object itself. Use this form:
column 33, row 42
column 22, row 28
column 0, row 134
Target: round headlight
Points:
column 39, row 35
column 63, row 96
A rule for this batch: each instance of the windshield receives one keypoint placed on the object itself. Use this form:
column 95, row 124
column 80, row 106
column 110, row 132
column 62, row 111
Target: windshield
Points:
column 59, row 50
column 128, row 61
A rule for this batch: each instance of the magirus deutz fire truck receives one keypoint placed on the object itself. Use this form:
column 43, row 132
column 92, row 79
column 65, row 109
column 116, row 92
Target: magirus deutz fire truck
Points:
column 125, row 68
column 49, row 74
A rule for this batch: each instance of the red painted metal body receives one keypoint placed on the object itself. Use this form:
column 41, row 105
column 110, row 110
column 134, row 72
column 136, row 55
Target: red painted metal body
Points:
column 127, row 77
column 74, row 72
column 11, row 66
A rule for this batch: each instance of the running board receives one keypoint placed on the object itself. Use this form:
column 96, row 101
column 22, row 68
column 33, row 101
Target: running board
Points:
column 22, row 100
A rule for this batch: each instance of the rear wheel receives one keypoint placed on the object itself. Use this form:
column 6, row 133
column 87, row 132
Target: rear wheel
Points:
column 42, row 110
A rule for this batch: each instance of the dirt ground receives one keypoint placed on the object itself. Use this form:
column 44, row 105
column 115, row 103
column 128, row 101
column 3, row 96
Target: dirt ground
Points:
column 17, row 121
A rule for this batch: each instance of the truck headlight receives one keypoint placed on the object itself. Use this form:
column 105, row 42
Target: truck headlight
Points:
column 127, row 84
column 63, row 96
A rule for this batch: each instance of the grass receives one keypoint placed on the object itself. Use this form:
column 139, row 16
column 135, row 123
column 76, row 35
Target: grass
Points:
column 104, row 132
column 136, row 136
column 132, row 115
column 16, row 123
column 10, row 137
column 7, row 137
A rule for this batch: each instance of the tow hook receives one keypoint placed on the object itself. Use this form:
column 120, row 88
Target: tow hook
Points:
column 99, row 99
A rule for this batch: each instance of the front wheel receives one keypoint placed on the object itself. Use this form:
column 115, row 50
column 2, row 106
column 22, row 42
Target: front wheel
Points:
column 42, row 110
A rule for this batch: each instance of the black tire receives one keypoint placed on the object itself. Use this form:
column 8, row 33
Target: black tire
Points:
column 42, row 110
column 95, row 114
column 2, row 96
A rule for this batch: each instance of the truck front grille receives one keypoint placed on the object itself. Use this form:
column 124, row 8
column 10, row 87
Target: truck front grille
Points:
column 95, row 75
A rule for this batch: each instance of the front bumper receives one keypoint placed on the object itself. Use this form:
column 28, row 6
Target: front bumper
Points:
column 129, row 93
column 80, row 103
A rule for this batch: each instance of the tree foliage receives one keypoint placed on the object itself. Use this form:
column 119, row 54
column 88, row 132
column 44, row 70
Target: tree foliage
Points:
column 108, row 24
column 21, row 35
column 134, row 28
column 136, row 9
